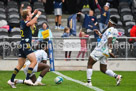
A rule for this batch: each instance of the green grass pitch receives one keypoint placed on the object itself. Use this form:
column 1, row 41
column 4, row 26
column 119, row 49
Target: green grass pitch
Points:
column 99, row 80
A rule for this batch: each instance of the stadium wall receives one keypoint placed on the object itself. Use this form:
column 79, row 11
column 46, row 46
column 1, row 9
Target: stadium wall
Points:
column 117, row 65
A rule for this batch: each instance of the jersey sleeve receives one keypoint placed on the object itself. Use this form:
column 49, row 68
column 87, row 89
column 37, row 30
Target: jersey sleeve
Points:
column 44, row 55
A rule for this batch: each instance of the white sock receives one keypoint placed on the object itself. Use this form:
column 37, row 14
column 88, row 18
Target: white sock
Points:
column 39, row 79
column 19, row 81
column 110, row 73
column 89, row 74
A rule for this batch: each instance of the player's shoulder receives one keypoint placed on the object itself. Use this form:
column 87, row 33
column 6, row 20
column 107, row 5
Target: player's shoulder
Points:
column 112, row 29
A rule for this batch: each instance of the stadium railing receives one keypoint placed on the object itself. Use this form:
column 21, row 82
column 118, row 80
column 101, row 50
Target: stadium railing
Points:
column 122, row 48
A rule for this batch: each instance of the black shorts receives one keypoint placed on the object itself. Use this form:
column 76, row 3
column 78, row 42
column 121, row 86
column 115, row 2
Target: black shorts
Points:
column 25, row 49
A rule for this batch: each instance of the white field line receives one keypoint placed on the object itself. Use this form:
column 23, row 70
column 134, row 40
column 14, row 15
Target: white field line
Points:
column 77, row 81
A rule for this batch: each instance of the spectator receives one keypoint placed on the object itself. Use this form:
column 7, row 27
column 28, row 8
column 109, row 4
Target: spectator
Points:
column 83, row 45
column 133, row 34
column 66, row 34
column 90, row 22
column 44, row 1
column 58, row 13
column 105, row 15
column 44, row 32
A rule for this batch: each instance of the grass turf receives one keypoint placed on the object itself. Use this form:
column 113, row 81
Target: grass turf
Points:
column 99, row 80
column 106, row 82
column 48, row 80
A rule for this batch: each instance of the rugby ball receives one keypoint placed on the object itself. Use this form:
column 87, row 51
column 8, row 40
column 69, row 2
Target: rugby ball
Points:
column 58, row 80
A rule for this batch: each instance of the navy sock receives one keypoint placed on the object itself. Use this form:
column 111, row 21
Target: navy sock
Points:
column 56, row 23
column 14, row 74
column 29, row 73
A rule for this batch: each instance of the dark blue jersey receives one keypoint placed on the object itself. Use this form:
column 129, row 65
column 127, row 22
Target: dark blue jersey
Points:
column 105, row 16
column 26, row 33
column 57, row 4
column 93, row 19
column 89, row 22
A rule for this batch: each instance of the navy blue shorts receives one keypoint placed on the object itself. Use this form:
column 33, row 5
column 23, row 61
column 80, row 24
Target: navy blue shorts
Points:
column 25, row 49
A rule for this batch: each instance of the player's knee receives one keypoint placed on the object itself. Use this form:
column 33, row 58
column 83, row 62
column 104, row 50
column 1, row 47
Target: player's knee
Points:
column 103, row 70
column 48, row 67
column 34, row 62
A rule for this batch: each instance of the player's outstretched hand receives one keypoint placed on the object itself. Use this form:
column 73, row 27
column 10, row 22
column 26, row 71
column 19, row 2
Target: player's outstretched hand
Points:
column 96, row 1
column 39, row 13
column 22, row 5
column 35, row 11
column 112, row 55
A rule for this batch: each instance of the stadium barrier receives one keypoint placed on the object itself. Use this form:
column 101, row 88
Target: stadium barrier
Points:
column 122, row 48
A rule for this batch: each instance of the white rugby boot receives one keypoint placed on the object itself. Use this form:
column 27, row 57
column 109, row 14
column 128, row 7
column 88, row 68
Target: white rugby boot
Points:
column 39, row 83
column 12, row 84
column 28, row 82
column 118, row 79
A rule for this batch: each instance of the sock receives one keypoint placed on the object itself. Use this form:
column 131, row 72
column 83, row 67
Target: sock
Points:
column 89, row 74
column 59, row 25
column 14, row 74
column 20, row 81
column 111, row 73
column 56, row 23
column 29, row 73
column 39, row 79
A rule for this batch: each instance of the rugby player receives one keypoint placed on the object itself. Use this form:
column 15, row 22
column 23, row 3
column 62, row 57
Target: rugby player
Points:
column 41, row 66
column 25, row 48
column 102, row 51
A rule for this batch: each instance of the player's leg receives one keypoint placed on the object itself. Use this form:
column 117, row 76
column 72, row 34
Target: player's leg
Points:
column 101, row 27
column 44, row 68
column 20, row 81
column 21, row 62
column 32, row 59
column 83, row 54
column 103, row 68
column 66, row 52
column 90, row 64
column 78, row 55
column 59, row 20
column 33, row 78
column 69, row 55
column 56, row 22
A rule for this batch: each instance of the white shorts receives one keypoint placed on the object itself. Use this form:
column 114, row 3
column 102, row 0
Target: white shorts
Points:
column 98, row 56
column 25, row 68
column 58, row 11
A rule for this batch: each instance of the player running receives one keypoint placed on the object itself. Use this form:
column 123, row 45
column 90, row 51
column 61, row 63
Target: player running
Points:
column 41, row 65
column 102, row 51
column 25, row 48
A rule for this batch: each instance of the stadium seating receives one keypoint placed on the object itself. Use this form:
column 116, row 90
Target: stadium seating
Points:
column 13, row 14
column 39, row 6
column 3, row 32
column 26, row 3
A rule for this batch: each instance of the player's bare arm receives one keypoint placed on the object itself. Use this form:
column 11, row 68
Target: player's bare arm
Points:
column 98, row 33
column 63, row 1
column 110, row 42
column 21, row 8
column 34, row 20
column 96, row 1
column 35, row 12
